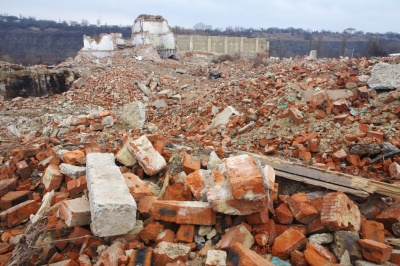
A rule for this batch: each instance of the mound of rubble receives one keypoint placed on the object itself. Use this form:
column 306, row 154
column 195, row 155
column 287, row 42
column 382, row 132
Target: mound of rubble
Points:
column 190, row 162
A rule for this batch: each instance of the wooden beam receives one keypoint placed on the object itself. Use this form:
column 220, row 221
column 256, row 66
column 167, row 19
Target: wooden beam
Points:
column 326, row 178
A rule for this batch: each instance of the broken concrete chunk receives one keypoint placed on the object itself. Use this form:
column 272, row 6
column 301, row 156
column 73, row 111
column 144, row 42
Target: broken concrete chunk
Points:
column 144, row 89
column 362, row 149
column 165, row 253
column 72, row 171
column 133, row 115
column 346, row 241
column 384, row 76
column 223, row 117
column 144, row 152
column 113, row 208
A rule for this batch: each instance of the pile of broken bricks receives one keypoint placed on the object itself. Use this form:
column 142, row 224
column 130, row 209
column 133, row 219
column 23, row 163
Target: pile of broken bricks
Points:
column 82, row 190
column 213, row 212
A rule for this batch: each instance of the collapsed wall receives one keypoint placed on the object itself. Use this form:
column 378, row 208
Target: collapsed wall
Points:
column 148, row 29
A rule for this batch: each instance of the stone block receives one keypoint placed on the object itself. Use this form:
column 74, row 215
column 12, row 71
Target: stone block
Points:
column 75, row 212
column 113, row 208
column 317, row 255
column 164, row 253
column 52, row 177
column 184, row 212
column 288, row 241
column 375, row 251
column 144, row 152
column 340, row 213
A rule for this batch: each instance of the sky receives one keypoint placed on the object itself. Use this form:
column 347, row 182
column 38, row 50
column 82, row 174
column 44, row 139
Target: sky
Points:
column 335, row 15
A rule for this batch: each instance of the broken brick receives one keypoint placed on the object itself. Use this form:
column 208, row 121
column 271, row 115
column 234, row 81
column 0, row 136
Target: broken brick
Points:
column 190, row 164
column 288, row 241
column 375, row 251
column 18, row 213
column 317, row 255
column 13, row 198
column 373, row 230
column 185, row 233
column 235, row 234
column 243, row 256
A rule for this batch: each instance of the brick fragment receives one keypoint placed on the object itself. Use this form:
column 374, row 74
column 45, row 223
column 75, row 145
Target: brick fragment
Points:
column 141, row 256
column 24, row 170
column 245, row 177
column 303, row 211
column 394, row 170
column 243, row 256
column 75, row 157
column 68, row 262
column 166, row 235
column 317, row 255
column 373, row 230
column 75, row 212
column 124, row 156
column 76, row 187
column 283, row 213
column 288, row 241
column 144, row 152
column 52, row 177
column 346, row 241
column 340, row 213
column 375, row 251
column 146, row 204
column 395, row 257
column 184, row 212
column 389, row 216
column 178, row 191
column 297, row 258
column 200, row 181
column 137, row 187
column 296, row 115
column 185, row 233
column 18, row 213
column 259, row 217
column 7, row 185
column 190, row 164
column 235, row 234
column 13, row 198
column 150, row 232
column 165, row 253
column 110, row 255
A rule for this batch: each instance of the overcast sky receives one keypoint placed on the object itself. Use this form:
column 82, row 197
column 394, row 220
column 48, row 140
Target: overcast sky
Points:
column 335, row 15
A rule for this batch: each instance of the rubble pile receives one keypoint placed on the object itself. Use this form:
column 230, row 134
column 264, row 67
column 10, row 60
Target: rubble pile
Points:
column 149, row 162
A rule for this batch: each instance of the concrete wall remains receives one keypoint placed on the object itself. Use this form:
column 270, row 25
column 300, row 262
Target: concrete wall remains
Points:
column 218, row 45
column 104, row 45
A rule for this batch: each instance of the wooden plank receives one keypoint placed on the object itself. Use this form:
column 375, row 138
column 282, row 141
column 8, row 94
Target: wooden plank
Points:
column 326, row 176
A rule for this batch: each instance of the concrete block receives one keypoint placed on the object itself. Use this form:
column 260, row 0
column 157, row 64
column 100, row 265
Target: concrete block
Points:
column 113, row 208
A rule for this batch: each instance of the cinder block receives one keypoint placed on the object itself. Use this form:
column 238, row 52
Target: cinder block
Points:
column 113, row 208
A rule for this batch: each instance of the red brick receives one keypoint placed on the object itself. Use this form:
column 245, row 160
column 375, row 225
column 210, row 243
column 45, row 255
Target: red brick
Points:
column 241, row 255
column 184, row 212
column 394, row 170
column 375, row 251
column 190, row 164
column 13, row 198
column 166, row 235
column 178, row 191
column 297, row 258
column 392, row 96
column 375, row 134
column 288, row 241
column 4, row 258
column 77, row 237
column 18, row 213
column 363, row 92
column 341, row 118
column 200, row 180
column 45, row 154
column 141, row 256
column 317, row 255
column 321, row 114
column 76, row 187
column 75, row 211
column 245, row 177
column 341, row 105
column 90, row 246
column 389, row 216
column 373, row 230
column 283, row 213
column 235, row 234
column 24, row 170
column 319, row 100
column 75, row 157
column 185, row 233
column 150, row 232
column 52, row 177
column 258, row 217
column 110, row 255
column 303, row 211
column 296, row 115
column 7, row 185
column 395, row 257
column 281, row 228
column 340, row 213
column 146, row 204
column 137, row 187
column 6, row 247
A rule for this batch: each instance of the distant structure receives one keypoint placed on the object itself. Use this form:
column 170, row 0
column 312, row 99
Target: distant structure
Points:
column 148, row 29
